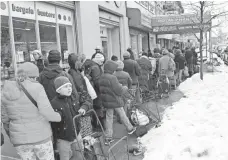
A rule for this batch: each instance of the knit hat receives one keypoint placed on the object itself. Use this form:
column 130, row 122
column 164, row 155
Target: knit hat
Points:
column 126, row 55
column 30, row 69
column 61, row 82
column 165, row 52
column 110, row 66
column 54, row 56
column 120, row 64
column 99, row 59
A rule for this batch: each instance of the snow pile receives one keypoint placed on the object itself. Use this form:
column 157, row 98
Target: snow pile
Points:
column 196, row 126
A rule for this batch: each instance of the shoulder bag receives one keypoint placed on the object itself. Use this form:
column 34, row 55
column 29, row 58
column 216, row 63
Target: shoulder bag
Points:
column 27, row 93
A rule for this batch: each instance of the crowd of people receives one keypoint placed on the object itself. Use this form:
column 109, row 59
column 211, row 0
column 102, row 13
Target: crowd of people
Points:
column 43, row 92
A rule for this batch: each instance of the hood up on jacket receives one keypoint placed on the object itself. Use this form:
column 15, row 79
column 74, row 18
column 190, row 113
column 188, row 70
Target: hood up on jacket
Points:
column 10, row 91
column 52, row 71
column 110, row 67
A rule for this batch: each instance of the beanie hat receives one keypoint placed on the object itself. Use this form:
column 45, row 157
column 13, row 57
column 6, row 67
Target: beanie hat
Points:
column 110, row 66
column 126, row 55
column 165, row 52
column 54, row 56
column 99, row 58
column 120, row 64
column 61, row 82
column 30, row 69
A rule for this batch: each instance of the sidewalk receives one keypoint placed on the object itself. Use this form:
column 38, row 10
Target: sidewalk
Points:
column 119, row 131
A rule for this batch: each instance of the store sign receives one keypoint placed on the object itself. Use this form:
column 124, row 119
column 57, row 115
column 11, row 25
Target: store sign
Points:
column 45, row 12
column 172, row 20
column 64, row 16
column 23, row 9
column 179, row 29
column 4, row 8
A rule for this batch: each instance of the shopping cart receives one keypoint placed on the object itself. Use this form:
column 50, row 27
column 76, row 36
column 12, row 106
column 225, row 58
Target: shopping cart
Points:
column 98, row 150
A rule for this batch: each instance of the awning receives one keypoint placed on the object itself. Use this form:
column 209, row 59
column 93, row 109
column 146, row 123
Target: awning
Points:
column 179, row 24
column 138, row 20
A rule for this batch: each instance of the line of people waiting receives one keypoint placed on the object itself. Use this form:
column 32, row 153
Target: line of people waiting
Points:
column 60, row 95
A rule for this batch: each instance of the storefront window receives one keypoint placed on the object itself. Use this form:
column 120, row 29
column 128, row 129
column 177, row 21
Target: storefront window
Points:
column 48, row 39
column 25, row 39
column 6, row 56
column 66, row 41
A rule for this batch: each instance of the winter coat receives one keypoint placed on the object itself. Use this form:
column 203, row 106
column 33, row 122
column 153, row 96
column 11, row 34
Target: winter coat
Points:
column 93, row 72
column 167, row 65
column 146, row 69
column 179, row 61
column 27, row 123
column 111, row 90
column 80, row 84
column 189, row 56
column 123, row 78
column 48, row 76
column 65, row 129
column 132, row 67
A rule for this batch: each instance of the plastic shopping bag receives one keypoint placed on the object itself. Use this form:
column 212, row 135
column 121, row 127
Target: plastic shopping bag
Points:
column 90, row 89
column 139, row 118
column 186, row 74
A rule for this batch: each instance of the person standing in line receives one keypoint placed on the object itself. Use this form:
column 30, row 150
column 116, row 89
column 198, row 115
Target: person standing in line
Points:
column 68, row 144
column 124, row 79
column 189, row 60
column 111, row 96
column 133, row 69
column 53, row 70
column 146, row 69
column 180, row 64
column 27, row 124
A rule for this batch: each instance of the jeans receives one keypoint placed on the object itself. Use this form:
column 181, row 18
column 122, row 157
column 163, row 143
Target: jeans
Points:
column 109, row 120
column 70, row 150
column 42, row 151
column 137, row 93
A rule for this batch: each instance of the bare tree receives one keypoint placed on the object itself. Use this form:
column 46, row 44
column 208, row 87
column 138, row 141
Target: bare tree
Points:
column 200, row 9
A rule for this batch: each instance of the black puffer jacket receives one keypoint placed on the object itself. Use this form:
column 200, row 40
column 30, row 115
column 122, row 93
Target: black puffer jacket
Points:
column 111, row 90
column 65, row 129
column 79, row 82
column 47, row 77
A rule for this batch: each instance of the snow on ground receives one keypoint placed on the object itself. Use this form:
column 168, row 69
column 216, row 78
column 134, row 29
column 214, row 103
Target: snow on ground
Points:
column 196, row 126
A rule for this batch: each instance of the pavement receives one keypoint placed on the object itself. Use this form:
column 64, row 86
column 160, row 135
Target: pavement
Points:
column 119, row 151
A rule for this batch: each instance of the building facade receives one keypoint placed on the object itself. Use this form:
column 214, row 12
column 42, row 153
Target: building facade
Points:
column 104, row 24
column 29, row 26
column 139, row 14
column 169, row 8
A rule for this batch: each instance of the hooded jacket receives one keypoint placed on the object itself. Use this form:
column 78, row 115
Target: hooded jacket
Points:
column 27, row 123
column 79, row 81
column 93, row 72
column 133, row 68
column 146, row 68
column 111, row 90
column 47, row 77
column 166, row 64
